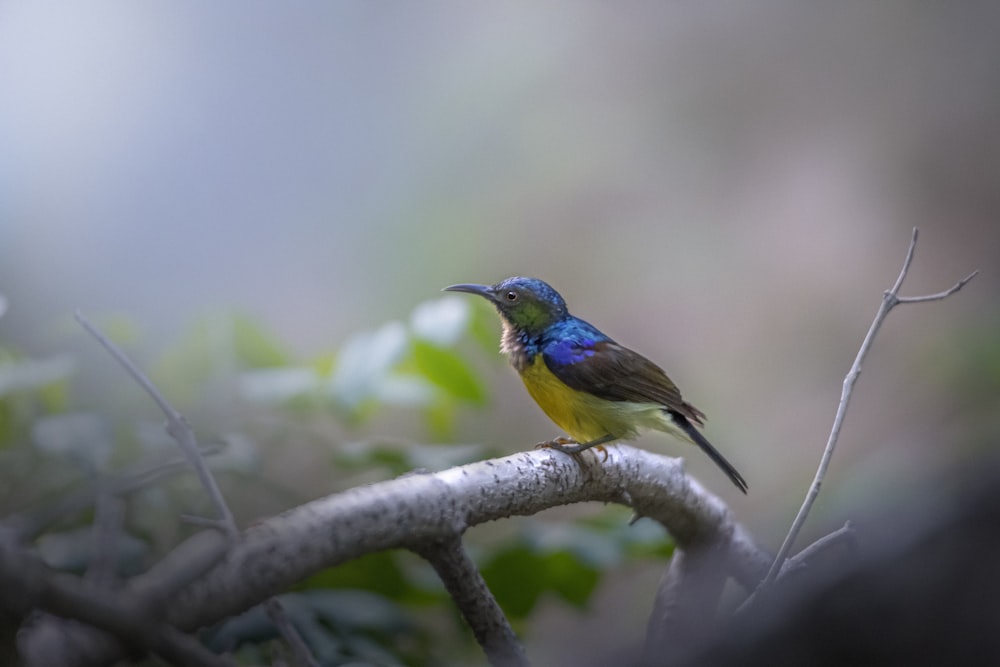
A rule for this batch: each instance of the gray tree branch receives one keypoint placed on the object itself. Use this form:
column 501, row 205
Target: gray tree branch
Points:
column 428, row 509
column 686, row 603
column 26, row 580
column 475, row 601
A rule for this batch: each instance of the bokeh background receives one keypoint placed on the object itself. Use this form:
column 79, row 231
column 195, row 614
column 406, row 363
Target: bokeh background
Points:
column 726, row 187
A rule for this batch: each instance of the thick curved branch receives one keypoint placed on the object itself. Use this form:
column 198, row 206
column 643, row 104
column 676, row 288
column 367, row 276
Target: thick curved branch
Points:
column 416, row 510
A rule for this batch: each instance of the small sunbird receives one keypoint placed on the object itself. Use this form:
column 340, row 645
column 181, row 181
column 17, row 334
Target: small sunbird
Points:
column 593, row 388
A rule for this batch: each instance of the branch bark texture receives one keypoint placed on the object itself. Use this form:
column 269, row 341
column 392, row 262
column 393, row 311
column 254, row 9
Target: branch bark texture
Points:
column 421, row 510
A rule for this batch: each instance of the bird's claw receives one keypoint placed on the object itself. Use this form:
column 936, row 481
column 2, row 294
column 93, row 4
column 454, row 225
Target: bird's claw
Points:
column 571, row 447
column 559, row 443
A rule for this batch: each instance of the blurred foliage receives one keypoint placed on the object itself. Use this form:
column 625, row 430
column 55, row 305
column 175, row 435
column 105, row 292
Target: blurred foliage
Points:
column 976, row 371
column 567, row 559
column 340, row 627
column 361, row 612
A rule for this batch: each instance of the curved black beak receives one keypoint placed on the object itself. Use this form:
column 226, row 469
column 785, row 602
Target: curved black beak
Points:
column 482, row 290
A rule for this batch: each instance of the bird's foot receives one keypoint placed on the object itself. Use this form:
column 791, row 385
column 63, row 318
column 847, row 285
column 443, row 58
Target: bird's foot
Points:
column 574, row 448
column 561, row 443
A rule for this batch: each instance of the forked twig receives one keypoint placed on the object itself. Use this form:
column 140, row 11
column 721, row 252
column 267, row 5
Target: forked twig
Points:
column 890, row 300
column 180, row 430
column 177, row 427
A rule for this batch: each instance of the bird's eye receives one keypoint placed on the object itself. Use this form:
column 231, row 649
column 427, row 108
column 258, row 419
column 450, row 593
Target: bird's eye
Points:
column 511, row 296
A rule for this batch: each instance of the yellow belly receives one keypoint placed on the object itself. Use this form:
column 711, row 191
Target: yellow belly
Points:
column 585, row 417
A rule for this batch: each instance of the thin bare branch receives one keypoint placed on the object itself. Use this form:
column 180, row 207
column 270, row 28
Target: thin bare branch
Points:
column 204, row 522
column 845, row 536
column 301, row 654
column 177, row 426
column 910, row 250
column 181, row 431
column 889, row 301
column 109, row 515
column 475, row 601
column 940, row 295
column 28, row 524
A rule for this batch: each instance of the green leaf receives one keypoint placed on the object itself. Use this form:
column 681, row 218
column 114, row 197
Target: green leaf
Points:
column 516, row 576
column 120, row 329
column 441, row 321
column 590, row 546
column 400, row 456
column 448, row 371
column 377, row 573
column 255, row 347
column 366, row 454
column 364, row 363
column 643, row 539
column 355, row 609
column 8, row 423
column 440, row 417
column 483, row 327
column 32, row 374
column 521, row 574
column 216, row 346
column 84, row 438
column 568, row 559
column 571, row 578
column 279, row 384
column 324, row 363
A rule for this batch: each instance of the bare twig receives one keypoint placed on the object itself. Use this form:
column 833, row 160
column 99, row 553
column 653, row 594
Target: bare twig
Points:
column 109, row 514
column 845, row 536
column 181, row 431
column 177, row 426
column 28, row 524
column 302, row 656
column 474, row 599
column 889, row 300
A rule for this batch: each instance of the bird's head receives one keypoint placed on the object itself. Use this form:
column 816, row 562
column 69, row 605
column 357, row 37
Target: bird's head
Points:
column 527, row 304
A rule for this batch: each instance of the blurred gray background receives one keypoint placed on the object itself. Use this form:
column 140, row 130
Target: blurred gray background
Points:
column 726, row 187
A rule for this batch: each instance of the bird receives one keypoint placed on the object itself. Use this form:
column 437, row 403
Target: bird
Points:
column 593, row 388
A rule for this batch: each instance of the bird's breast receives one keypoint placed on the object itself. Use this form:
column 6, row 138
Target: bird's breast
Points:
column 585, row 417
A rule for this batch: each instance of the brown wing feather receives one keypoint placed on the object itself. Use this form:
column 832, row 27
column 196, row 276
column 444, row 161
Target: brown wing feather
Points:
column 616, row 373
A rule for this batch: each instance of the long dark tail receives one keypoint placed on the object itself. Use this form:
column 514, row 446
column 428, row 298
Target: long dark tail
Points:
column 682, row 423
